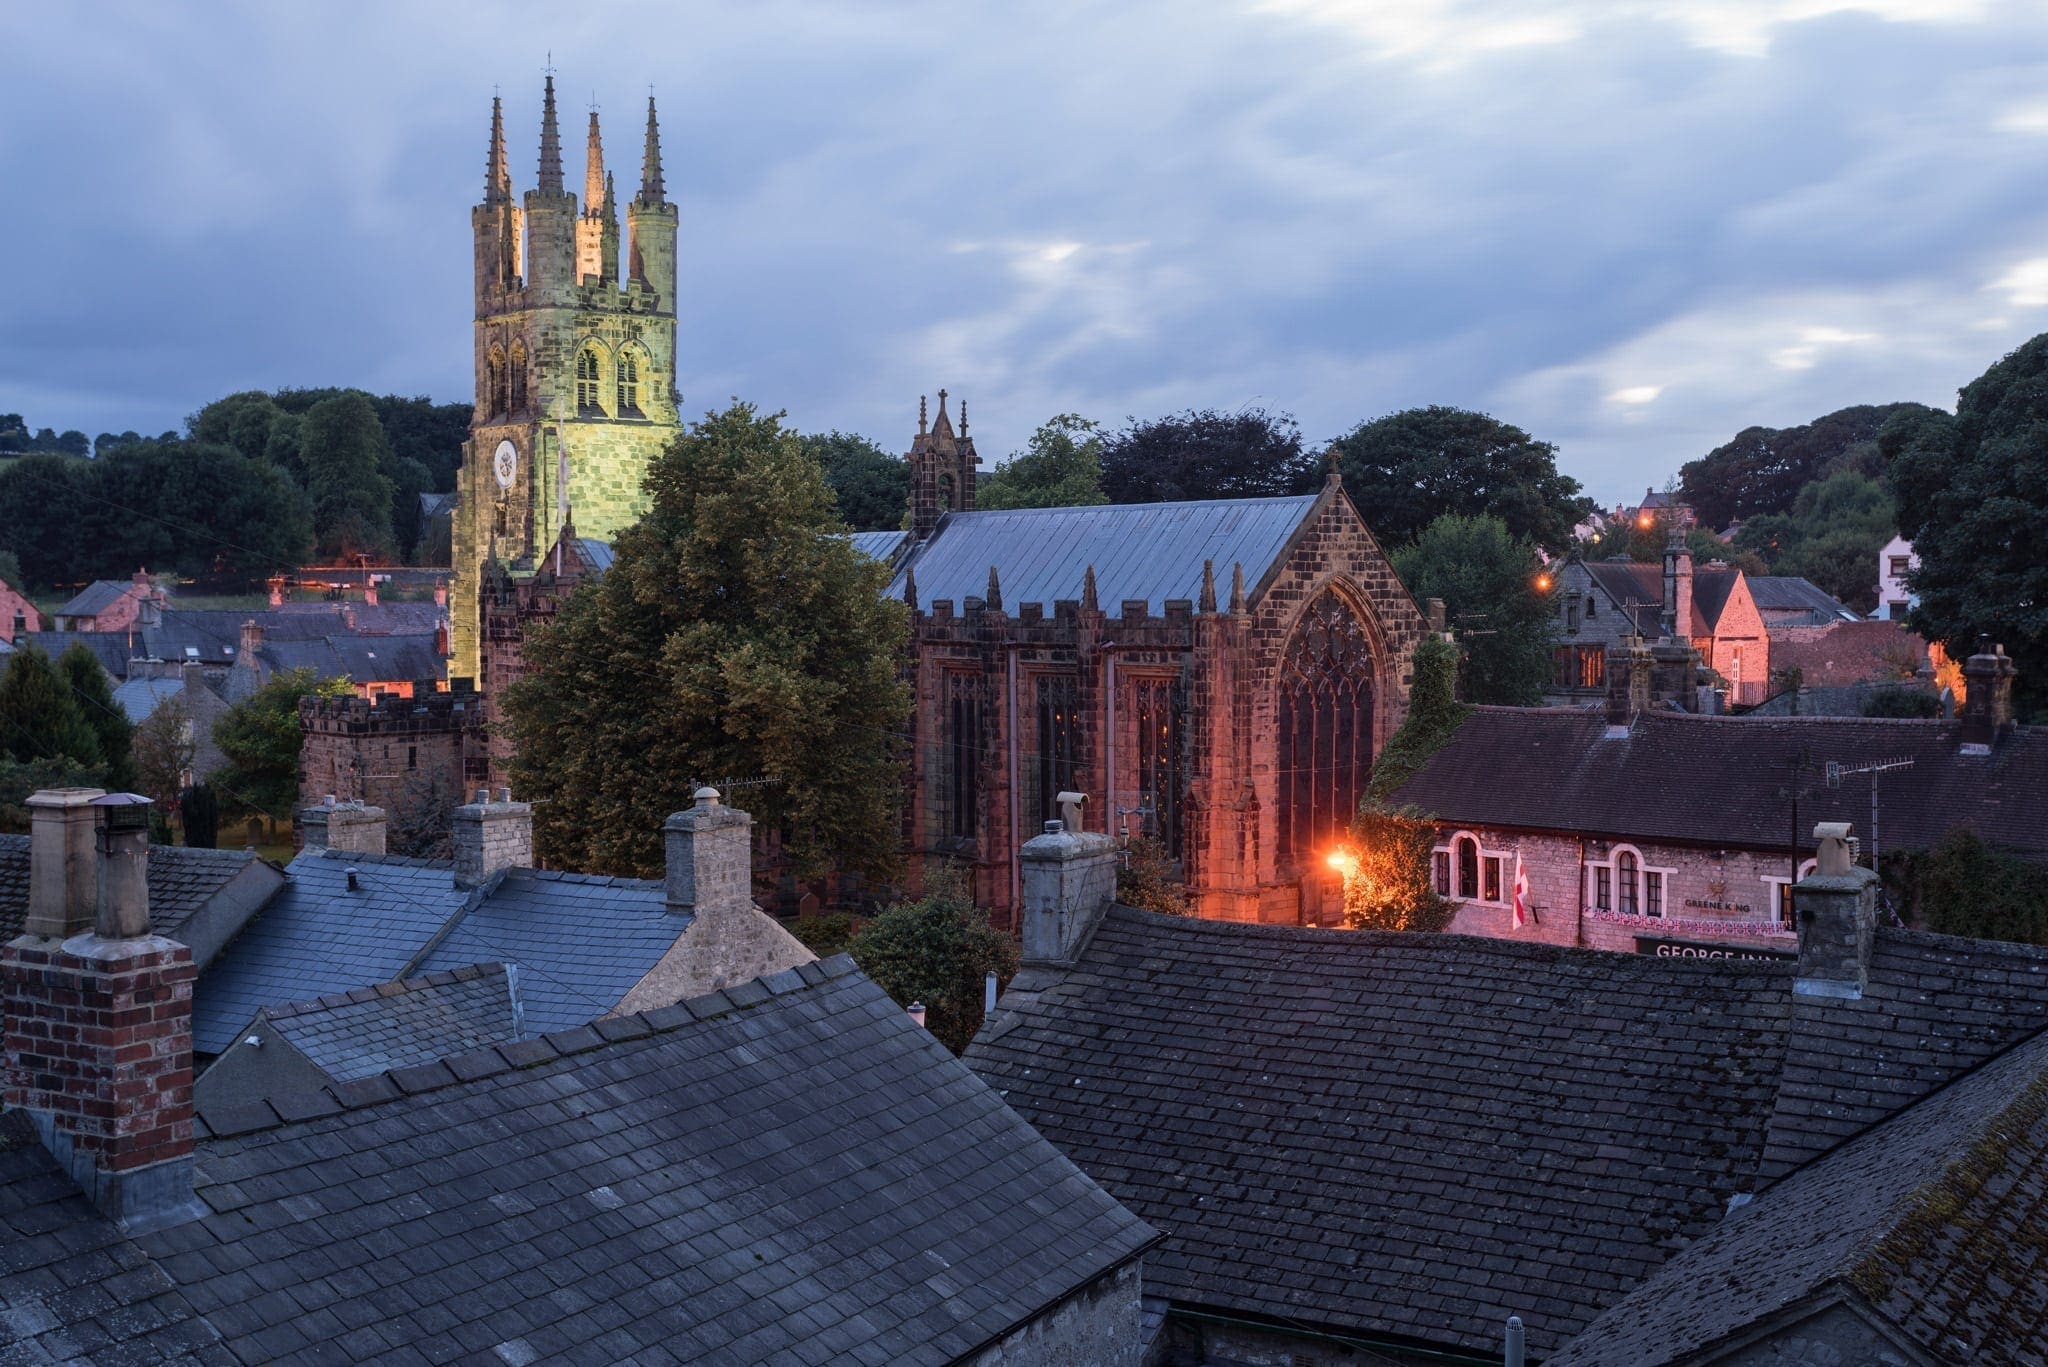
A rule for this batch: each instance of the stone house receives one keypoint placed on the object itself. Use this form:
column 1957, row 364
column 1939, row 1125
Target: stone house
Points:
column 1217, row 674
column 1603, row 604
column 1385, row 1147
column 788, row 1169
column 402, row 754
column 111, row 605
column 17, row 614
column 1647, row 825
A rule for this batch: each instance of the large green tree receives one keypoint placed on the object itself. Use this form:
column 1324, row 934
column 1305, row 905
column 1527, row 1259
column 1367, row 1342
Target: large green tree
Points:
column 1409, row 468
column 259, row 738
column 1204, row 454
column 1060, row 467
column 40, row 718
column 1763, row 469
column 870, row 486
column 345, row 455
column 735, row 634
column 1831, row 534
column 1486, row 576
column 938, row 950
column 82, row 674
column 1972, row 491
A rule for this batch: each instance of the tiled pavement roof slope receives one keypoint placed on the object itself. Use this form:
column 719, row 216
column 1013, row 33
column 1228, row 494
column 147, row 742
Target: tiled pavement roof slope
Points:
column 1936, row 1006
column 1713, row 780
column 787, row 1171
column 1148, row 551
column 1931, row 1224
column 1397, row 1136
column 181, row 881
column 72, row 1287
column 317, row 937
column 404, row 1024
column 581, row 940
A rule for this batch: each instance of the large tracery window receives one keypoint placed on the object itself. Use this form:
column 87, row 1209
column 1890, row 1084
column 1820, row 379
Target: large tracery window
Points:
column 959, row 797
column 589, row 401
column 1159, row 707
column 1059, row 740
column 1325, row 726
column 629, row 385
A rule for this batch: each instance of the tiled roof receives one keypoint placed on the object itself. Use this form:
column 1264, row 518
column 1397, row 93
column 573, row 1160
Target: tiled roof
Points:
column 403, row 1024
column 1148, row 551
column 1850, row 653
column 1714, row 781
column 181, row 882
column 1637, row 591
column 140, row 698
column 1398, row 1136
column 1790, row 593
column 361, row 657
column 788, row 1171
column 97, row 597
column 1930, row 1224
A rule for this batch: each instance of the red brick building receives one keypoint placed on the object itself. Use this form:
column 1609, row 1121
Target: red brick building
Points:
column 513, row 604
column 1218, row 674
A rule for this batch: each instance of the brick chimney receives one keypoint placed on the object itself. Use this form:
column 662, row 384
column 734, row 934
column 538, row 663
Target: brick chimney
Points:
column 1987, row 696
column 1837, row 912
column 61, row 877
column 252, row 641
column 370, row 590
column 710, row 857
column 1069, row 878
column 490, row 835
column 349, row 826
column 98, row 1037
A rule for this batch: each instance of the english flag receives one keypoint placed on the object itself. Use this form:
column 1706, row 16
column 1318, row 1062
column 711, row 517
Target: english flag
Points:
column 1521, row 893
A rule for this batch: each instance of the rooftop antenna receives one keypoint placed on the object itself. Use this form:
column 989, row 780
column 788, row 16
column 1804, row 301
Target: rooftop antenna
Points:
column 1835, row 771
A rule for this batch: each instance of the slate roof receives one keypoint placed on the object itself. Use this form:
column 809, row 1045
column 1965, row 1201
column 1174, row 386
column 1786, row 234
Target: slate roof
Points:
column 1148, row 551
column 1402, row 1137
column 1931, row 1223
column 1628, row 582
column 1789, row 593
column 596, row 555
column 404, row 1024
column 787, row 1171
column 111, row 648
column 1713, row 781
column 581, row 941
column 1851, row 653
column 880, row 546
column 181, row 882
column 436, row 504
column 140, row 698
column 97, row 597
column 361, row 658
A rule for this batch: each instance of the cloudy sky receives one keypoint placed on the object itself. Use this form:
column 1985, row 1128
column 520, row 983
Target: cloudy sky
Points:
column 1630, row 226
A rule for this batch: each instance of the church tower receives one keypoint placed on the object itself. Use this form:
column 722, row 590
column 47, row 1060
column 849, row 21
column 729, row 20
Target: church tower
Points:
column 941, row 469
column 575, row 367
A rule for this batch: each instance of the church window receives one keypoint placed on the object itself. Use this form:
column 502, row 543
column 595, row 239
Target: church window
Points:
column 589, row 385
column 1468, row 868
column 629, row 385
column 1325, row 725
column 494, row 381
column 960, row 757
column 1059, row 741
column 1160, row 705
column 517, row 365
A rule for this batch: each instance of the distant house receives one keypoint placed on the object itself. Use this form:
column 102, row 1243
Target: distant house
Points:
column 18, row 616
column 1790, row 601
column 200, row 700
column 1604, row 604
column 1894, row 563
column 111, row 605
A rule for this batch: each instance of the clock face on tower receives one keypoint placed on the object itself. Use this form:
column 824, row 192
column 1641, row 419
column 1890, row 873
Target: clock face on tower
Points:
column 506, row 464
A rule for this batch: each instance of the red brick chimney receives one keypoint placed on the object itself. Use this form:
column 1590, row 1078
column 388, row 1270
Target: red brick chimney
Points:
column 97, row 1043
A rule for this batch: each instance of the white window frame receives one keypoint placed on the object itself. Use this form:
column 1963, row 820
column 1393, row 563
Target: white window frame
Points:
column 1449, row 849
column 1611, row 862
column 1777, row 898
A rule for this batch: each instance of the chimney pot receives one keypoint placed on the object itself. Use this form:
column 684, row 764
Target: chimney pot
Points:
column 504, row 794
column 489, row 836
column 710, row 857
column 122, row 911
column 62, row 878
column 916, row 1012
column 1837, row 913
column 1069, row 881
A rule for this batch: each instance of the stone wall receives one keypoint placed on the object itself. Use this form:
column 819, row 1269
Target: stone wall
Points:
column 1098, row 1325
column 393, row 753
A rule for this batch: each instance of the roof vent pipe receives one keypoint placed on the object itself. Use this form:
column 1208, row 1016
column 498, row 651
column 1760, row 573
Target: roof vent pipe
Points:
column 1512, row 1357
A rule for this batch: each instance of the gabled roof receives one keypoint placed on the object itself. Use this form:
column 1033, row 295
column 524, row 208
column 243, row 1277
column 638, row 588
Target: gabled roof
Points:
column 361, row 658
column 1637, row 590
column 98, row 596
column 1401, row 1137
column 788, row 1171
column 1714, row 781
column 181, row 883
column 1790, row 593
column 880, row 546
column 596, row 555
column 1140, row 551
column 403, row 1024
column 1929, row 1224
column 140, row 698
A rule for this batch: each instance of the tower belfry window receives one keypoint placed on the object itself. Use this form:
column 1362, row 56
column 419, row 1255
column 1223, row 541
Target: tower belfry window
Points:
column 589, row 400
column 517, row 366
column 629, row 384
column 494, row 381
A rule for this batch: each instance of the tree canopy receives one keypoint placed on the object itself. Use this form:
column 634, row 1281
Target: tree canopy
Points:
column 259, row 738
column 1763, row 469
column 1060, row 467
column 1972, row 494
column 40, row 718
column 735, row 634
column 1409, row 468
column 345, row 454
column 870, row 486
column 1486, row 577
column 939, row 951
column 1204, row 454
column 1831, row 534
column 115, row 734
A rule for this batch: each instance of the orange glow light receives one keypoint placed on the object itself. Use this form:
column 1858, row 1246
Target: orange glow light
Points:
column 1643, row 520
column 1344, row 862
column 1542, row 583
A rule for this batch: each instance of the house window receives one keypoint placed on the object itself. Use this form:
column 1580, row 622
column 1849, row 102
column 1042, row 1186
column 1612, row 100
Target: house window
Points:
column 1603, row 887
column 1440, row 866
column 1059, row 740
column 1159, row 706
column 1899, row 566
column 1325, row 725
column 1468, row 868
column 1571, row 613
column 1592, row 607
column 1653, row 893
column 1492, row 864
column 1625, row 866
column 517, row 364
column 1578, row 667
column 960, row 757
column 589, row 403
column 629, row 385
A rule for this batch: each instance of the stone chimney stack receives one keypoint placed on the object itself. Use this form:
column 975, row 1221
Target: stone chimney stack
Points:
column 252, row 641
column 1629, row 677
column 97, row 1046
column 490, row 836
column 1069, row 878
column 1678, row 587
column 710, row 857
column 349, row 826
column 1837, row 911
column 1987, row 697
column 61, row 877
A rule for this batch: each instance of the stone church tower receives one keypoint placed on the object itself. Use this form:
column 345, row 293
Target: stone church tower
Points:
column 575, row 366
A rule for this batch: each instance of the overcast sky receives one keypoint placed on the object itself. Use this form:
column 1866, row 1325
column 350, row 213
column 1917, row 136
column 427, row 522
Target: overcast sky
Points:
column 1631, row 226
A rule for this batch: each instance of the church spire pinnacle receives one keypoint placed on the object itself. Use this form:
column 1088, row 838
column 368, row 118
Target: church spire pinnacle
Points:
column 1207, row 602
column 651, row 189
column 593, row 167
column 497, row 175
column 550, row 142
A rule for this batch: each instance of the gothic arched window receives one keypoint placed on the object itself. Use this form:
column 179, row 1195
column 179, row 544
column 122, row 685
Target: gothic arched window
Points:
column 629, row 384
column 1325, row 725
column 494, row 381
column 517, row 365
column 1468, row 868
column 589, row 384
column 1625, row 866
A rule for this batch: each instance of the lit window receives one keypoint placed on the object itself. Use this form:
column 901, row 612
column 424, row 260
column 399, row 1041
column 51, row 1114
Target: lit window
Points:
column 1441, row 863
column 1468, row 868
column 1493, row 878
column 1653, row 894
column 1625, row 880
column 1326, row 679
column 629, row 384
column 588, row 402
